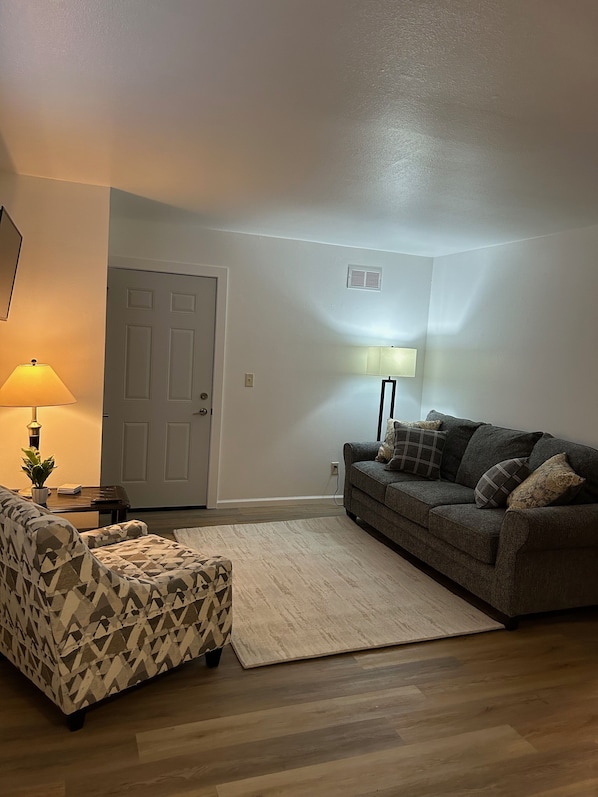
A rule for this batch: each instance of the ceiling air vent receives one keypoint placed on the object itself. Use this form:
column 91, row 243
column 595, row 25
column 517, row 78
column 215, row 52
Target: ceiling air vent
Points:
column 364, row 279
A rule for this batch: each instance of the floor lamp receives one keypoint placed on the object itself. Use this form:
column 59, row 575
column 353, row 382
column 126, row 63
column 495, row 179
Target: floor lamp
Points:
column 393, row 361
column 34, row 385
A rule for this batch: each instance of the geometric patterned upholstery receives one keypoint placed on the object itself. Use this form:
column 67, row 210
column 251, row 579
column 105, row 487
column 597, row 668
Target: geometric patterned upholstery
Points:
column 85, row 615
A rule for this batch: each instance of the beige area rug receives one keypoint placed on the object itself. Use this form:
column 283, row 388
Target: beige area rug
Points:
column 307, row 588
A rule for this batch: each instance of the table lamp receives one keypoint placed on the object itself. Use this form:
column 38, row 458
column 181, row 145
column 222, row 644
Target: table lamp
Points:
column 393, row 361
column 34, row 385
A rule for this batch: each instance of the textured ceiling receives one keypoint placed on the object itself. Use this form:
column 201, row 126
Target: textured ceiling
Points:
column 422, row 126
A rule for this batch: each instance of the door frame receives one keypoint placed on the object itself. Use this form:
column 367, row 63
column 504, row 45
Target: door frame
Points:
column 220, row 273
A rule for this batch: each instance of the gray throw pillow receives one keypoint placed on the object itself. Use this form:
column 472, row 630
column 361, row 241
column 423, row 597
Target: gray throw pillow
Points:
column 495, row 486
column 418, row 451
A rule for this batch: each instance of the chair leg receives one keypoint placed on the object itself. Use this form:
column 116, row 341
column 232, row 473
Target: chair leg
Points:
column 213, row 657
column 76, row 720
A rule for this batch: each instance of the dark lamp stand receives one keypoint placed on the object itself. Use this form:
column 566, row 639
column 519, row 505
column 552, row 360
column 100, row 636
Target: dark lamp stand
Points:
column 386, row 382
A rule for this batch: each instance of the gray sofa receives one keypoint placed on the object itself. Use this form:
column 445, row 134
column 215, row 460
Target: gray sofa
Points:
column 518, row 561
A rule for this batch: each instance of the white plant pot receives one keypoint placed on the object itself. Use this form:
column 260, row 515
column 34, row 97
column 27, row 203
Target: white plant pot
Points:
column 39, row 495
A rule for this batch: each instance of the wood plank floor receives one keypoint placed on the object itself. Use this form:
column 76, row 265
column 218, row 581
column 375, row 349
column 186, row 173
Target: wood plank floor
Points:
column 513, row 714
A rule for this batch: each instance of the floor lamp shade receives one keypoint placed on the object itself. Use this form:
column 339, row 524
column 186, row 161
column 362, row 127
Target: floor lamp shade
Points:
column 34, row 385
column 391, row 361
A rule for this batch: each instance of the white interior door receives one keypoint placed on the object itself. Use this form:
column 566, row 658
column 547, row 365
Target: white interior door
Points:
column 158, row 386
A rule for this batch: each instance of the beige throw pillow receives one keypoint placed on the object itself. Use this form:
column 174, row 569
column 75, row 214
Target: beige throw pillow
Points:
column 553, row 480
column 386, row 450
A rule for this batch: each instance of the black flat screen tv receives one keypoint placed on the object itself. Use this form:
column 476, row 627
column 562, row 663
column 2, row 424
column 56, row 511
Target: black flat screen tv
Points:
column 10, row 248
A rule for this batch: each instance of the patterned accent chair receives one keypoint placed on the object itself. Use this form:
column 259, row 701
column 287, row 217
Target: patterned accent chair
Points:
column 85, row 615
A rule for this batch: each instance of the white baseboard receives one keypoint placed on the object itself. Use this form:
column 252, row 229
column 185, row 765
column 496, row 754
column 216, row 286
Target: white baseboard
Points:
column 291, row 499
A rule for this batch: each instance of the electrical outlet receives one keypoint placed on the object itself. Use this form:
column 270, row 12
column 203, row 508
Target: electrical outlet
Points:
column 334, row 468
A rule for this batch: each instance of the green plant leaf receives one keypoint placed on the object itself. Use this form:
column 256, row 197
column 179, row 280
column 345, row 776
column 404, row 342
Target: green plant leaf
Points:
column 37, row 469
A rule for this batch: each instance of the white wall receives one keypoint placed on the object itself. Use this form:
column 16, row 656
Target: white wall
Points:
column 293, row 323
column 57, row 315
column 513, row 335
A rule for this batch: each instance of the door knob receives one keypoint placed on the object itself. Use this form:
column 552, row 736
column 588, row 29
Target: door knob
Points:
column 202, row 411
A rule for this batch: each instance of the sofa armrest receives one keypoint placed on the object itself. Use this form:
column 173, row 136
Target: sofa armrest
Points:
column 547, row 559
column 549, row 528
column 359, row 452
column 355, row 452
column 118, row 532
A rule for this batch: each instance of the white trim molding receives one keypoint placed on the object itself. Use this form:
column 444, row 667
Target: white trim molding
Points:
column 290, row 499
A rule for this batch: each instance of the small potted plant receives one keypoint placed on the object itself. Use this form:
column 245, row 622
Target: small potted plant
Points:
column 38, row 470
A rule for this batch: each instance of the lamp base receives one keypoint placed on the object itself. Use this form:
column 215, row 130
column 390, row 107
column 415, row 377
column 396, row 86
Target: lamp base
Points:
column 34, row 429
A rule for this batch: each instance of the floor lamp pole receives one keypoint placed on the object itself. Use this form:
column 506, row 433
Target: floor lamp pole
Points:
column 385, row 382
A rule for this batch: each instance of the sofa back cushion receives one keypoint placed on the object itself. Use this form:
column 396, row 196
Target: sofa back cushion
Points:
column 458, row 434
column 583, row 460
column 491, row 444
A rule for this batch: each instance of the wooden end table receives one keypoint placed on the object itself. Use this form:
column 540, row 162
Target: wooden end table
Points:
column 112, row 498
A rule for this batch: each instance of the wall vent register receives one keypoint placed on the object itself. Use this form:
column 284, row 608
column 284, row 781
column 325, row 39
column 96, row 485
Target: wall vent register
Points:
column 364, row 279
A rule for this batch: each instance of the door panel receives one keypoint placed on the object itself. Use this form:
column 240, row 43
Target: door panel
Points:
column 159, row 361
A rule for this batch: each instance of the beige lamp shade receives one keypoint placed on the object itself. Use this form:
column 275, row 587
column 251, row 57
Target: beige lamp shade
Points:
column 34, row 385
column 391, row 361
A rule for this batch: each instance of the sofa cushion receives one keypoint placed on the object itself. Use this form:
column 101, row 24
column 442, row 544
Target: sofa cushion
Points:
column 554, row 481
column 583, row 460
column 491, row 444
column 414, row 500
column 417, row 451
column 465, row 527
column 373, row 479
column 385, row 451
column 458, row 434
column 495, row 486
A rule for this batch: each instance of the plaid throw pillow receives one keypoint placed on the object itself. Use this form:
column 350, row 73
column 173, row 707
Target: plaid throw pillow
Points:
column 385, row 451
column 418, row 451
column 495, row 486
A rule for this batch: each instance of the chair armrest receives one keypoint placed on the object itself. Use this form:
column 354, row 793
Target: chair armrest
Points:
column 195, row 577
column 76, row 624
column 118, row 532
column 549, row 528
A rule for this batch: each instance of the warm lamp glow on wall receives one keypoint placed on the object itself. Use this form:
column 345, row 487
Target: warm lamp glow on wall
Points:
column 393, row 361
column 34, row 385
